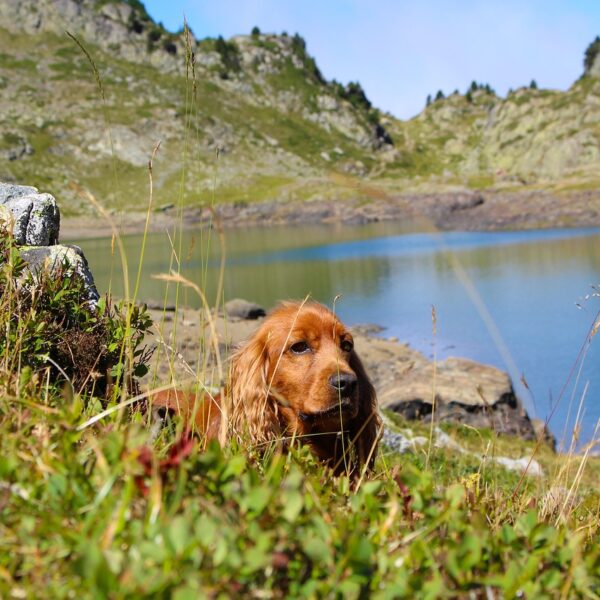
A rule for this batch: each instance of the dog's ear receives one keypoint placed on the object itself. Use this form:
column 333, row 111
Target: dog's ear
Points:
column 365, row 429
column 250, row 410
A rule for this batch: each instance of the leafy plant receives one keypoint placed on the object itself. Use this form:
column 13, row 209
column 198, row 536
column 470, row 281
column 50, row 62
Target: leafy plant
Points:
column 48, row 322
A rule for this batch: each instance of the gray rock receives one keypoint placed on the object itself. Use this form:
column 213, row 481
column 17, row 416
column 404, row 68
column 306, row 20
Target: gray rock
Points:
column 36, row 216
column 242, row 309
column 9, row 191
column 400, row 443
column 522, row 465
column 465, row 392
column 56, row 258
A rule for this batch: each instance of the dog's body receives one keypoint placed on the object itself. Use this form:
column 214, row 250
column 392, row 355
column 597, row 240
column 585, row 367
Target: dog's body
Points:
column 298, row 377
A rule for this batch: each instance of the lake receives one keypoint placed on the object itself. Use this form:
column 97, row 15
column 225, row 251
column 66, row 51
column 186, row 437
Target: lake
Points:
column 522, row 301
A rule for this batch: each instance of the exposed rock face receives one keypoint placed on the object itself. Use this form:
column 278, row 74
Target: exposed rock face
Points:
column 111, row 26
column 36, row 216
column 36, row 227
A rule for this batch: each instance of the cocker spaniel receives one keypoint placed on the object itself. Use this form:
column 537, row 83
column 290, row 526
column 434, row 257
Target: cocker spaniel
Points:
column 298, row 378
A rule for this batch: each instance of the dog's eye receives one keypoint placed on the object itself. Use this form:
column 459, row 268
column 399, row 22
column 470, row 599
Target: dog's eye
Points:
column 300, row 348
column 347, row 346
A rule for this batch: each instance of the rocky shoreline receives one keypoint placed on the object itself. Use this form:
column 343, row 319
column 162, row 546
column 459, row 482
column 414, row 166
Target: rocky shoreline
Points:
column 457, row 210
column 465, row 391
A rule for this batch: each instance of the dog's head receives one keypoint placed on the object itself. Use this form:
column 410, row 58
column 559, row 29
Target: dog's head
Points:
column 299, row 376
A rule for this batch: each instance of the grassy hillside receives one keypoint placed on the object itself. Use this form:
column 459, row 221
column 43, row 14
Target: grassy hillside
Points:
column 531, row 137
column 260, row 103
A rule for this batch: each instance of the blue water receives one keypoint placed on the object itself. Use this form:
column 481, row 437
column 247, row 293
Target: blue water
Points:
column 531, row 285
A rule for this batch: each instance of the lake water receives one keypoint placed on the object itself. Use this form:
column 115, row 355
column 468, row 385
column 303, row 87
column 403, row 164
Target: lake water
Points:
column 529, row 286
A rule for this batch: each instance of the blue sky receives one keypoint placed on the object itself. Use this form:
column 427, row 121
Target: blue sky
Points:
column 401, row 51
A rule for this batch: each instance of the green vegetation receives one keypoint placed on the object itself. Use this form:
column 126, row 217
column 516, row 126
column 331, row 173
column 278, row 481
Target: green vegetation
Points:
column 590, row 54
column 230, row 57
column 106, row 511
column 299, row 49
column 48, row 325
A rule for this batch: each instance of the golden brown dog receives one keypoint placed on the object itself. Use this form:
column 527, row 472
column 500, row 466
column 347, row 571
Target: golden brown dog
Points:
column 297, row 378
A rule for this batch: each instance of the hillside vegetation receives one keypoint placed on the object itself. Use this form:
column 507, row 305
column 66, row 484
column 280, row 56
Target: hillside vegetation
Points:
column 253, row 118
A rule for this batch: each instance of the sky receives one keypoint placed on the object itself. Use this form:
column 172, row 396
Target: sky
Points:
column 402, row 51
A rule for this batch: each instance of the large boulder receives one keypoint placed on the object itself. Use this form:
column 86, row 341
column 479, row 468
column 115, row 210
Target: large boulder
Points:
column 35, row 216
column 465, row 391
column 35, row 221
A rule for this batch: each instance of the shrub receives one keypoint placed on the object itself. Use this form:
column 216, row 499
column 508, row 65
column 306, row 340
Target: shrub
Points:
column 355, row 94
column 299, row 49
column 49, row 324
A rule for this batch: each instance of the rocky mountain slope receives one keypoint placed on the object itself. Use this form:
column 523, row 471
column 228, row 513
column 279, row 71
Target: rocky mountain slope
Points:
column 252, row 119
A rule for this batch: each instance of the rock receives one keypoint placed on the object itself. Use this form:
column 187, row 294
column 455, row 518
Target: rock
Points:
column 59, row 257
column 465, row 391
column 242, row 309
column 524, row 465
column 36, row 216
column 400, row 443
column 466, row 203
column 9, row 191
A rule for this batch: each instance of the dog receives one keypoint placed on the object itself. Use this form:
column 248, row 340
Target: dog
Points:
column 298, row 378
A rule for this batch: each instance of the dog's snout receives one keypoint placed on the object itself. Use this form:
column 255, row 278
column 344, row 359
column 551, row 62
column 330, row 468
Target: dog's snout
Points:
column 344, row 383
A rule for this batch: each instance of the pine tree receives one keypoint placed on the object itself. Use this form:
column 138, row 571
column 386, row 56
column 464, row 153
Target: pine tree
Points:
column 590, row 54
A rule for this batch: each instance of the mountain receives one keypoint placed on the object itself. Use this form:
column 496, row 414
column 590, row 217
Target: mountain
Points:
column 251, row 118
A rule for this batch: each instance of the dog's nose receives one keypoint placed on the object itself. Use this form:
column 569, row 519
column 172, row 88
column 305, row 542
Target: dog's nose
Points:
column 344, row 383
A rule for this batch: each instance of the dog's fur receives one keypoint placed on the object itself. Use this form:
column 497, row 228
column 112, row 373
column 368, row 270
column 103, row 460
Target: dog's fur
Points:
column 297, row 378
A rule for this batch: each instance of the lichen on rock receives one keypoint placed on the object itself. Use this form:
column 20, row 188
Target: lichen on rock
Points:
column 36, row 217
